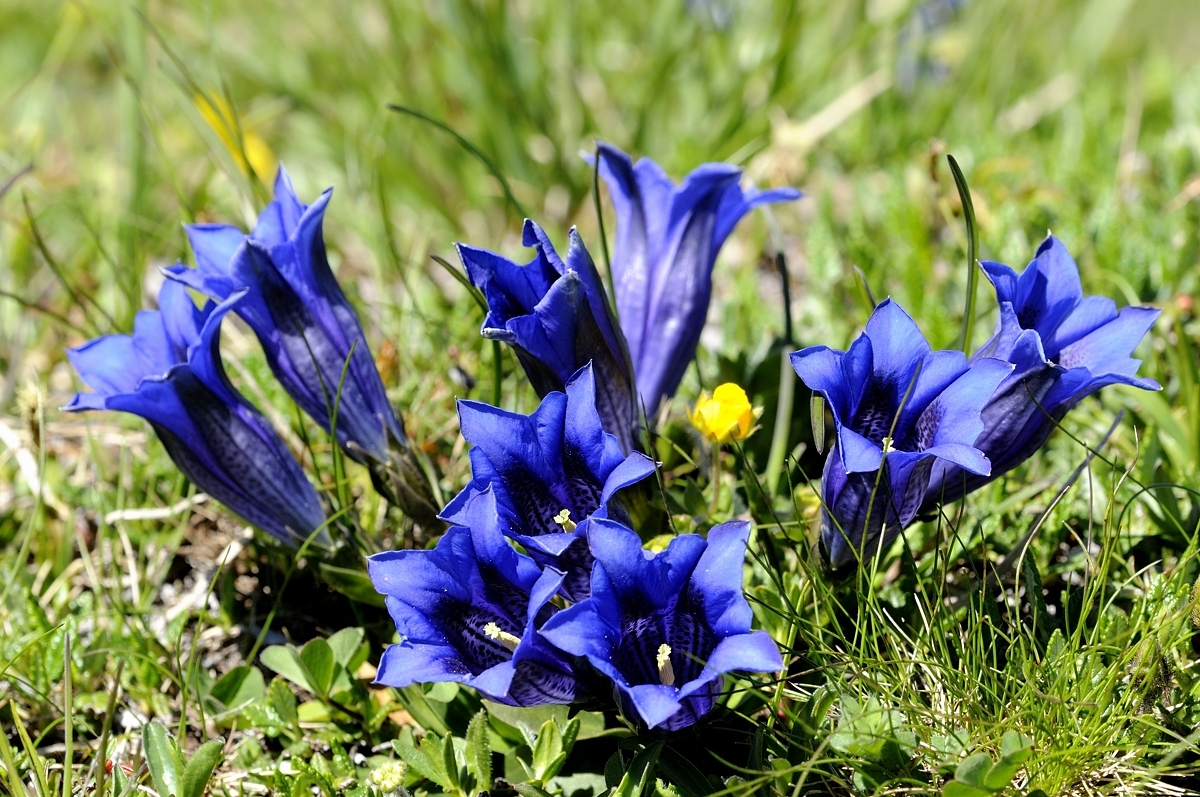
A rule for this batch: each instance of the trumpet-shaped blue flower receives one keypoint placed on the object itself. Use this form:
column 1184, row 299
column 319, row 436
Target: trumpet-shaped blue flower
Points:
column 668, row 238
column 665, row 628
column 559, row 458
column 307, row 328
column 169, row 372
column 468, row 611
column 1064, row 347
column 898, row 407
column 555, row 316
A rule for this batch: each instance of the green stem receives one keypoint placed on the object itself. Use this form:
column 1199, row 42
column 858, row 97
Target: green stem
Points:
column 783, row 421
column 715, row 478
column 964, row 194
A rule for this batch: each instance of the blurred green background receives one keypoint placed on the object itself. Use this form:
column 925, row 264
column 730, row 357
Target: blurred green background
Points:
column 136, row 117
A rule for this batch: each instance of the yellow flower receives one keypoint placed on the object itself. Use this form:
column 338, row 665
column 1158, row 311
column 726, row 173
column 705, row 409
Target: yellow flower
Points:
column 220, row 118
column 726, row 416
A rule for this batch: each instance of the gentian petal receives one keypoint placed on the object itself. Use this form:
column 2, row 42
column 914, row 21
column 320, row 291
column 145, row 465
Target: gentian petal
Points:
column 668, row 238
column 308, row 330
column 169, row 372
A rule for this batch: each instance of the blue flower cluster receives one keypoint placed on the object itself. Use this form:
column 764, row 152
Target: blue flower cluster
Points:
column 583, row 608
column 918, row 428
column 169, row 372
column 541, row 592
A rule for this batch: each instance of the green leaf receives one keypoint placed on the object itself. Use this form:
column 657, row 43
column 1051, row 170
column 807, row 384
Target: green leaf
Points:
column 958, row 789
column 283, row 701
column 15, row 787
column 345, row 644
column 450, row 762
column 529, row 790
column 1015, row 746
column 640, row 772
column 525, row 721
column 163, row 759
column 319, row 666
column 1000, row 775
column 238, row 687
column 680, row 771
column 285, row 660
column 546, row 750
column 973, row 770
column 442, row 692
column 479, row 751
column 200, row 768
column 420, row 762
column 1016, row 750
column 614, row 770
column 354, row 584
column 569, row 734
column 430, row 715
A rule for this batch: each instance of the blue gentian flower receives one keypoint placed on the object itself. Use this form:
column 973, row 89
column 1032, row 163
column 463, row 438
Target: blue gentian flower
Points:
column 665, row 628
column 559, row 459
column 898, row 407
column 1064, row 347
column 468, row 611
column 555, row 316
column 306, row 326
column 309, row 332
column 668, row 238
column 170, row 373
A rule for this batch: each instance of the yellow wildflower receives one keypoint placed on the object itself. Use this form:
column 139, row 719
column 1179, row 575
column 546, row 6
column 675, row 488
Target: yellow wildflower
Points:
column 726, row 416
column 220, row 117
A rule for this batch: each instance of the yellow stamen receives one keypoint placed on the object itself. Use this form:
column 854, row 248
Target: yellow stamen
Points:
column 493, row 631
column 889, row 445
column 666, row 673
column 563, row 519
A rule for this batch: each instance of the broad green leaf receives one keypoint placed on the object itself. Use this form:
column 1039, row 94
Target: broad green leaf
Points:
column 319, row 666
column 959, row 789
column 525, row 721
column 345, row 644
column 1000, row 775
column 163, row 759
column 314, row 711
column 1016, row 746
column 442, row 692
column 973, row 770
column 1016, row 750
column 200, row 768
column 239, row 686
column 285, row 660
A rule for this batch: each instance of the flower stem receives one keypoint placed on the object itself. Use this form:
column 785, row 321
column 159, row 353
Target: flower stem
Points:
column 783, row 422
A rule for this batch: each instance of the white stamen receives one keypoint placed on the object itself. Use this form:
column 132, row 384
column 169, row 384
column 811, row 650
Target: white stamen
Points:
column 889, row 445
column 493, row 631
column 563, row 519
column 666, row 673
